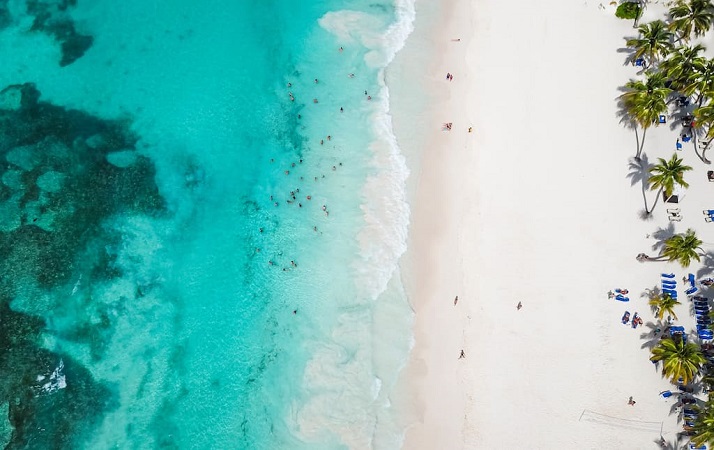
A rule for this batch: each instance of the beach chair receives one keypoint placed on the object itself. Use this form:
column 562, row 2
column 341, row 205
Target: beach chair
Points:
column 621, row 298
column 676, row 329
column 670, row 292
column 626, row 317
column 708, row 219
column 691, row 278
column 667, row 275
column 686, row 138
column 662, row 118
column 673, row 210
column 673, row 218
column 692, row 447
column 640, row 62
column 666, row 394
column 692, row 290
column 669, row 284
column 708, row 212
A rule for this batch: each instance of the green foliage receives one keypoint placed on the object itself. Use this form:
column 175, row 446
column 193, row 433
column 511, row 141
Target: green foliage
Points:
column 679, row 360
column 668, row 173
column 683, row 248
column 628, row 11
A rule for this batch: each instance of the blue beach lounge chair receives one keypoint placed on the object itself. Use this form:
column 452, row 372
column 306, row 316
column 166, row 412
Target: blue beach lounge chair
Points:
column 679, row 145
column 640, row 62
column 621, row 298
column 692, row 290
column 662, row 118
column 667, row 275
column 691, row 279
column 666, row 394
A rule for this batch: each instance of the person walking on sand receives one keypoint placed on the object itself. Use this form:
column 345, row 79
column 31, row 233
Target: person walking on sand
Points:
column 456, row 300
column 463, row 355
column 631, row 402
column 519, row 306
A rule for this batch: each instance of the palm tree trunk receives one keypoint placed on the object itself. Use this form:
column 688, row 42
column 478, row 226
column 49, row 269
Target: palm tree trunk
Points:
column 704, row 151
column 696, row 151
column 659, row 194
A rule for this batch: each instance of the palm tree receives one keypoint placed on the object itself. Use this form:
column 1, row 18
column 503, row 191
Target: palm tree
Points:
column 704, row 426
column 665, row 305
column 655, row 41
column 692, row 16
column 680, row 360
column 683, row 248
column 665, row 175
column 705, row 119
column 701, row 82
column 683, row 65
column 645, row 101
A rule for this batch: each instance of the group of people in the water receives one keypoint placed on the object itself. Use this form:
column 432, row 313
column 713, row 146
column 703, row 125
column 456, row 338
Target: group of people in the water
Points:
column 294, row 197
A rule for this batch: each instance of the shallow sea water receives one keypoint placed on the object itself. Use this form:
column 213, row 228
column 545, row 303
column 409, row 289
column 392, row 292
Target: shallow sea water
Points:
column 161, row 287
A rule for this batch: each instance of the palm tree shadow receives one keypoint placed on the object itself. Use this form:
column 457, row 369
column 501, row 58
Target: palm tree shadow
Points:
column 622, row 113
column 650, row 294
column 667, row 445
column 661, row 235
column 639, row 173
column 651, row 335
column 630, row 59
column 707, row 265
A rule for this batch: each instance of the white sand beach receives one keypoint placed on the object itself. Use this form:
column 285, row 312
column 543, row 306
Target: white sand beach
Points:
column 536, row 205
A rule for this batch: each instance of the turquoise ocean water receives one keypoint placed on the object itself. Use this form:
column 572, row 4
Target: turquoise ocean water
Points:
column 199, row 248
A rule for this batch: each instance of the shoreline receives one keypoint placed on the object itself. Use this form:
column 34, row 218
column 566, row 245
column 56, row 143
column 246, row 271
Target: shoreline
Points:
column 537, row 206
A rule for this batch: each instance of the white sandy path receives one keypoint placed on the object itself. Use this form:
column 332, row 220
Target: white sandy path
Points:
column 534, row 206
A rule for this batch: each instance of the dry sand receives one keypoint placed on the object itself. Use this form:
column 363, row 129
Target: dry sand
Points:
column 535, row 205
